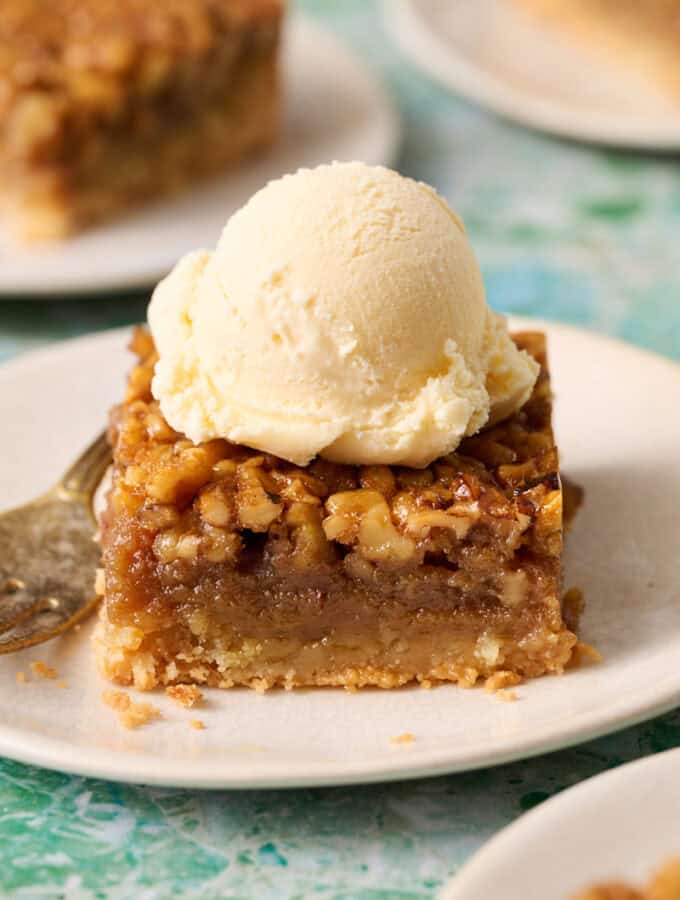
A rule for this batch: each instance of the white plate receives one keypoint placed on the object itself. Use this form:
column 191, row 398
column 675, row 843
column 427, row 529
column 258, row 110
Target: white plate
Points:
column 622, row 825
column 334, row 109
column 619, row 428
column 490, row 52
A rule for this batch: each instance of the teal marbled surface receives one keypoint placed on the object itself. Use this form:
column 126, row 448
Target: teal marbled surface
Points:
column 81, row 839
column 583, row 235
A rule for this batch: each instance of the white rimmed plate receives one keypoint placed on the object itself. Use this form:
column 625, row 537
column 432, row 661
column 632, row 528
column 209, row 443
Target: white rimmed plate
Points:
column 619, row 826
column 493, row 54
column 334, row 109
column 619, row 429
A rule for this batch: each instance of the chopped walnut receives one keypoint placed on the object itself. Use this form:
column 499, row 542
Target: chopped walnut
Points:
column 158, row 429
column 179, row 471
column 490, row 451
column 216, row 506
column 298, row 485
column 363, row 518
column 515, row 589
column 220, row 546
column 421, row 523
column 257, row 509
column 224, row 468
column 378, row 478
column 415, row 478
column 158, row 517
column 488, row 650
column 309, row 542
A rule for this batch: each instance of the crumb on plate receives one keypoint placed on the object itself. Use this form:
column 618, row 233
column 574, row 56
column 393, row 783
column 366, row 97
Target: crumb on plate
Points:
column 186, row 695
column 130, row 714
column 405, row 738
column 42, row 670
column 584, row 655
column 197, row 724
column 501, row 680
column 505, row 695
column 21, row 677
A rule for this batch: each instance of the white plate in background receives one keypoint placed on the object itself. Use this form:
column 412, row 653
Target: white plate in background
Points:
column 622, row 825
column 618, row 426
column 490, row 52
column 334, row 109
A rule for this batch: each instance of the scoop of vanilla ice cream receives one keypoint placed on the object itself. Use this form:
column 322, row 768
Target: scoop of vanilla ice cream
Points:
column 342, row 314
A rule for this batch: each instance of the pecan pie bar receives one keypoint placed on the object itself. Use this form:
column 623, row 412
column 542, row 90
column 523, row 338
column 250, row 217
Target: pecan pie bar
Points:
column 227, row 566
column 641, row 35
column 106, row 103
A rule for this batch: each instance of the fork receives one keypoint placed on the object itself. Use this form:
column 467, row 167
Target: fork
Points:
column 48, row 556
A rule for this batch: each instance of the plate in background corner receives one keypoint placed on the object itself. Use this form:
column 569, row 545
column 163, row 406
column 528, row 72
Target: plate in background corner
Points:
column 622, row 551
column 622, row 825
column 490, row 52
column 335, row 108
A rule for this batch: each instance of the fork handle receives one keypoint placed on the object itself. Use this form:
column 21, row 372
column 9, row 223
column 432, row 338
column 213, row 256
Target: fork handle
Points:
column 86, row 472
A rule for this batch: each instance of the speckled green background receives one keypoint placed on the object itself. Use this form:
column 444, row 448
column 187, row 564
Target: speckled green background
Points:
column 583, row 235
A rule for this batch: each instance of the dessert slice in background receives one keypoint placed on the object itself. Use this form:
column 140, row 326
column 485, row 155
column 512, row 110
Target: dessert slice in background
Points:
column 107, row 103
column 333, row 465
column 640, row 36
column 665, row 885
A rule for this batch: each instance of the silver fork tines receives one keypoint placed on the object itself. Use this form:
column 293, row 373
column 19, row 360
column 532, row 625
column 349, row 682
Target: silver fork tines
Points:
column 48, row 558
